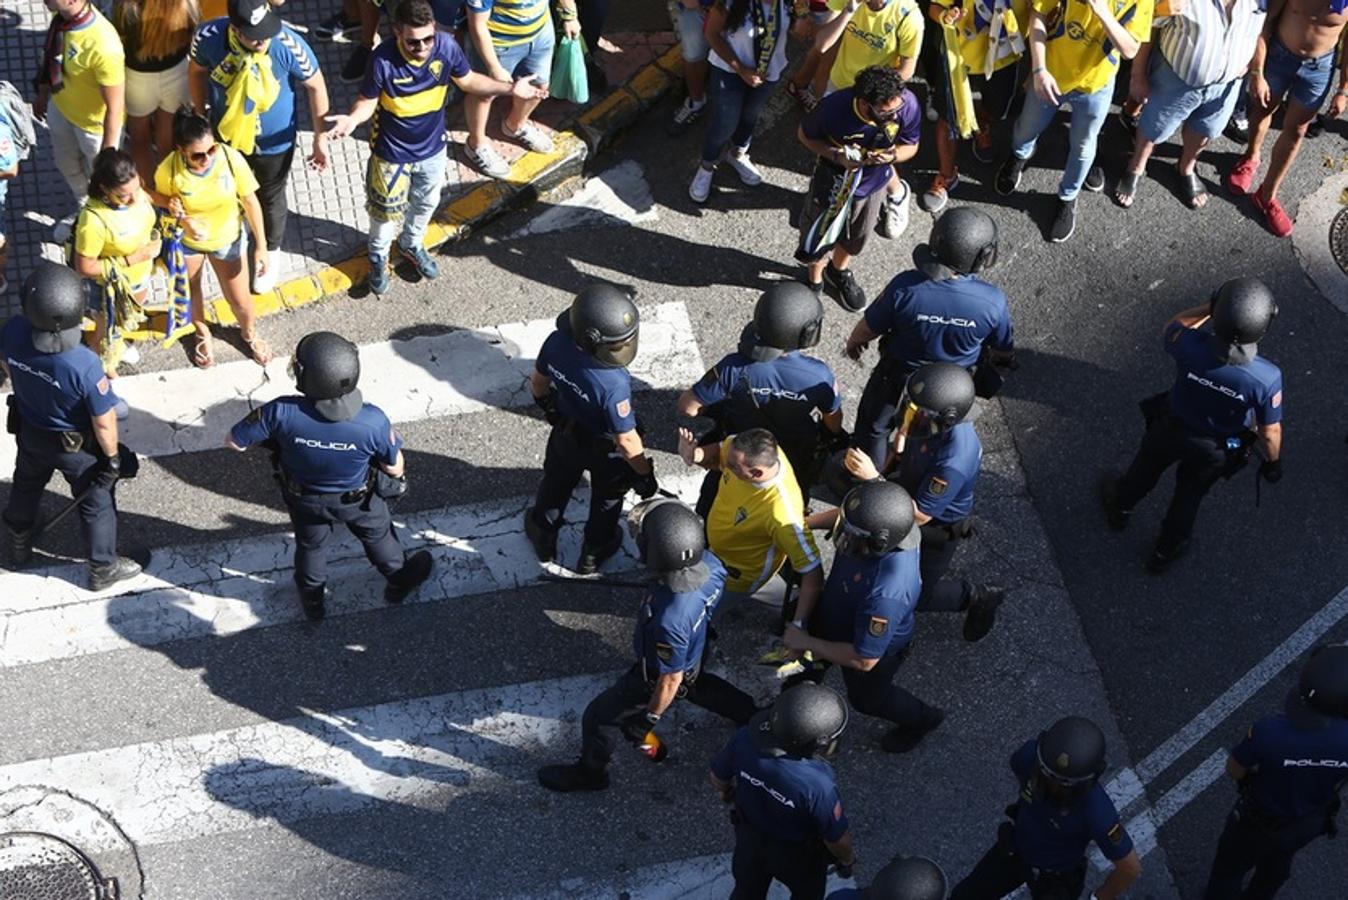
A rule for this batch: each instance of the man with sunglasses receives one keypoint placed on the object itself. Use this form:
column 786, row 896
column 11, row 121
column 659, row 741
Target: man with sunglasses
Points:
column 406, row 88
column 864, row 619
column 671, row 643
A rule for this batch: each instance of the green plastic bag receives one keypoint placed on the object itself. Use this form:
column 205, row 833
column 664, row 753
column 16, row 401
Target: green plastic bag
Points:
column 569, row 79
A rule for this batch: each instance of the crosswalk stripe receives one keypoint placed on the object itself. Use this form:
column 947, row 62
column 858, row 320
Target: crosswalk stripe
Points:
column 460, row 372
column 694, row 878
column 231, row 586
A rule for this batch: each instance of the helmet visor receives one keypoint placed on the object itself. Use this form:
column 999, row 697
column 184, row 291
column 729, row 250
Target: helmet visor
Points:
column 619, row 353
column 914, row 421
column 848, row 539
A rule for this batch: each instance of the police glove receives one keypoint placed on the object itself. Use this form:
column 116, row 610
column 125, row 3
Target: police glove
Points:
column 548, row 403
column 1271, row 470
column 645, row 485
column 108, row 470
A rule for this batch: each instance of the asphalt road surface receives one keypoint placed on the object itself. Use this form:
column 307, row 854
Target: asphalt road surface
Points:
column 213, row 744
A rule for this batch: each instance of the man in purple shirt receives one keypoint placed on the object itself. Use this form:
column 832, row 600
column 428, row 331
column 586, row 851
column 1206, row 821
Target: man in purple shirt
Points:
column 859, row 134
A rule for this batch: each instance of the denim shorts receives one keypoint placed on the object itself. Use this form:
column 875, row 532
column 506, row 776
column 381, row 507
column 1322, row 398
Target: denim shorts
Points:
column 1306, row 81
column 688, row 24
column 533, row 57
column 1174, row 102
column 227, row 253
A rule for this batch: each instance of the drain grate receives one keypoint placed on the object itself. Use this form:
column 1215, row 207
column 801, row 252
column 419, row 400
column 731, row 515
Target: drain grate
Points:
column 1338, row 239
column 38, row 866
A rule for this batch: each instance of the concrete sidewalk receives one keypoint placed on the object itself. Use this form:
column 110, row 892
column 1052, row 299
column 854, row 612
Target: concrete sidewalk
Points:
column 323, row 249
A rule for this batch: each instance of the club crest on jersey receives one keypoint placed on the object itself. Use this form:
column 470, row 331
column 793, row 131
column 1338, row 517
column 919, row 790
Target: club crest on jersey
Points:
column 741, row 514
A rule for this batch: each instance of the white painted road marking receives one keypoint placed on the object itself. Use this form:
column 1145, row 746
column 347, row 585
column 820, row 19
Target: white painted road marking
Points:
column 695, row 878
column 185, row 410
column 231, row 586
column 616, row 196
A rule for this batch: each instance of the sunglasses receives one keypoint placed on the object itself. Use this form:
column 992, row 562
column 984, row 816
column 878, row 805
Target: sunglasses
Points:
column 417, row 43
column 204, row 156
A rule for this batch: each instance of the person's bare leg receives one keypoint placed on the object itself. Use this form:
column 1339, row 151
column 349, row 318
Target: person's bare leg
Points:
column 233, row 277
column 1294, row 124
column 946, row 147
column 369, row 24
column 1261, row 118
column 695, row 79
column 821, row 74
column 520, row 110
column 476, row 110
column 1137, row 164
column 841, row 258
column 163, row 139
column 140, row 132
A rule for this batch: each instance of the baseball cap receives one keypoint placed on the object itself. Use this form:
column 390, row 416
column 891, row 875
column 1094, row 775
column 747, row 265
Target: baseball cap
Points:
column 254, row 19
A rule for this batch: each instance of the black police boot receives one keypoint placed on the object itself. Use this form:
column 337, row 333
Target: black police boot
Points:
column 591, row 558
column 901, row 740
column 1116, row 516
column 543, row 537
column 982, row 614
column 314, row 601
column 1163, row 558
column 416, row 569
column 20, row 546
column 120, row 569
column 575, row 777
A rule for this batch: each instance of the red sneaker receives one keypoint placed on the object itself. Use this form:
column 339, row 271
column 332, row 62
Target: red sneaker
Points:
column 1275, row 217
column 1241, row 176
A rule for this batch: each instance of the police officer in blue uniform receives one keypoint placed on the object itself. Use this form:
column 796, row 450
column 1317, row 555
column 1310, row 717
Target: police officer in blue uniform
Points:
column 1062, row 808
column 671, row 644
column 788, row 814
column 337, row 459
column 1222, row 387
column 863, row 620
column 63, row 416
column 1291, row 769
column 770, row 382
column 940, row 312
column 905, row 878
column 580, row 381
column 936, row 459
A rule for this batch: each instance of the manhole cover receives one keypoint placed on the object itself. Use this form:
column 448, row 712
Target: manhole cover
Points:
column 37, row 866
column 1338, row 239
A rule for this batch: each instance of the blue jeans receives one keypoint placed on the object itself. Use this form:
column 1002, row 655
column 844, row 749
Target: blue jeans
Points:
column 734, row 113
column 402, row 195
column 1088, row 114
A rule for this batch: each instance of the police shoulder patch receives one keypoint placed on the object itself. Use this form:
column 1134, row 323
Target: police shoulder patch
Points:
column 664, row 651
column 938, row 486
column 103, row 386
column 1115, row 834
column 878, row 626
column 623, row 408
column 837, row 810
column 1277, row 400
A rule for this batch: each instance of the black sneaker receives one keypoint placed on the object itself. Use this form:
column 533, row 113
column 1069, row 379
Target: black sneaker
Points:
column 686, row 116
column 1065, row 222
column 354, row 70
column 1238, row 129
column 575, row 777
column 1095, row 180
column 982, row 614
column 416, row 569
column 1008, row 176
column 1109, row 499
column 543, row 537
column 1317, row 126
column 591, row 558
column 845, row 288
column 902, row 740
column 120, row 569
column 313, row 602
column 20, row 546
column 334, row 25
column 1163, row 558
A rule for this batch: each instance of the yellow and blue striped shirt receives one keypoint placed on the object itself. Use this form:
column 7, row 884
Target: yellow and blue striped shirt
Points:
column 409, row 124
column 512, row 22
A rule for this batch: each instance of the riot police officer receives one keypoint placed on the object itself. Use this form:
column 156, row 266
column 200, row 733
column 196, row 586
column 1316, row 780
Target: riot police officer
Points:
column 940, row 312
column 1291, row 769
column 580, row 381
column 63, row 416
column 1061, row 809
column 788, row 814
column 1221, row 387
column 329, row 450
column 671, row 644
column 863, row 621
column 769, row 382
column 936, row 459
column 905, row 878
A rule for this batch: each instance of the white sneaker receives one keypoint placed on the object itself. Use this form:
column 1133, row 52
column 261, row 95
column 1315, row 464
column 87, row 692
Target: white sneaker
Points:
column 531, row 136
column 130, row 355
column 487, row 160
column 744, row 167
column 894, row 217
column 60, row 232
column 266, row 282
column 700, row 189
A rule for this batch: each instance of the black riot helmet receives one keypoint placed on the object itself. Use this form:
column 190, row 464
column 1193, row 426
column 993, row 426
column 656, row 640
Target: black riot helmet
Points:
column 1072, row 755
column 805, row 721
column 326, row 368
column 963, row 241
column 937, row 397
column 603, row 322
column 1242, row 311
column 908, row 878
column 669, row 536
column 874, row 518
column 788, row 316
column 53, row 301
column 1321, row 694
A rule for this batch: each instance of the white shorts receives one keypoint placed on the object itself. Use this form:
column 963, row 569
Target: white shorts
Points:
column 149, row 91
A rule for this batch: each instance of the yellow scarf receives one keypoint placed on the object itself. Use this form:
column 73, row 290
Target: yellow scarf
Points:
column 250, row 90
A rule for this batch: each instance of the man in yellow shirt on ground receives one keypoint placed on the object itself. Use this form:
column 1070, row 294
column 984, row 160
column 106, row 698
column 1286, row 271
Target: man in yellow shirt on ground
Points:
column 757, row 522
column 80, row 93
column 1075, row 48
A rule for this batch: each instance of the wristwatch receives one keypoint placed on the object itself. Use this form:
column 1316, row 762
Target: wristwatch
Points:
column 652, row 718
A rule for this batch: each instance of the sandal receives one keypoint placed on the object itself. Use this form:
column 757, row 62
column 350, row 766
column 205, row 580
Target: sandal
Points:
column 203, row 353
column 259, row 349
column 1192, row 191
column 1127, row 188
